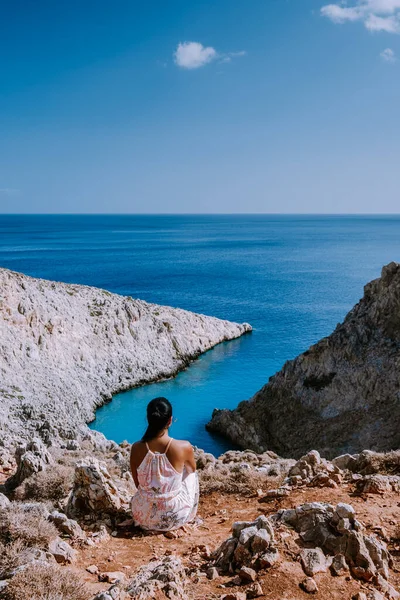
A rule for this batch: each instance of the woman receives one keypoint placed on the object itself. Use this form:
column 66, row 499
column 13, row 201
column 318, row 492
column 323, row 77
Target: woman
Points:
column 164, row 473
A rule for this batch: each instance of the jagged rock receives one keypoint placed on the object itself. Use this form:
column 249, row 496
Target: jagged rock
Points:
column 314, row 471
column 378, row 484
column 309, row 585
column 113, row 593
column 62, row 551
column 385, row 587
column 248, row 575
column 31, row 458
column 67, row 526
column 339, row 565
column 339, row 396
column 95, row 492
column 67, row 348
column 337, row 531
column 345, row 461
column 251, row 544
column 166, row 576
column 254, row 591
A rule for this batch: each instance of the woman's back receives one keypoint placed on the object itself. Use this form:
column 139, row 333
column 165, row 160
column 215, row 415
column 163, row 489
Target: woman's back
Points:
column 156, row 474
column 164, row 472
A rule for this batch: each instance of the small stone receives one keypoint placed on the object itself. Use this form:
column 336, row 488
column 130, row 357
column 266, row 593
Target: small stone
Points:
column 309, row 585
column 345, row 511
column 235, row 596
column 212, row 573
column 112, row 576
column 247, row 574
column 359, row 596
column 93, row 569
column 171, row 535
column 254, row 591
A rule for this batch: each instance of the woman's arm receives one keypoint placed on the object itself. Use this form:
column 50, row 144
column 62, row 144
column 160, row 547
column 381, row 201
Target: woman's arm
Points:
column 133, row 465
column 190, row 461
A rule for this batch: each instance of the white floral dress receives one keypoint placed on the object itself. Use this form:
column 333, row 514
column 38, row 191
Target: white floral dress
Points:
column 165, row 499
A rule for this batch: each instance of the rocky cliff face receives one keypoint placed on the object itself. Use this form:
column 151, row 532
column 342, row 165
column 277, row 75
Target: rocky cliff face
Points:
column 341, row 395
column 64, row 349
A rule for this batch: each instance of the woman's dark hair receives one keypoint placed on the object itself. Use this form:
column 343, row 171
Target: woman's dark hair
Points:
column 159, row 412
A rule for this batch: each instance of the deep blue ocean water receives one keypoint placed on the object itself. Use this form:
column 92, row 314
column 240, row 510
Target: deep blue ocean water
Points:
column 292, row 277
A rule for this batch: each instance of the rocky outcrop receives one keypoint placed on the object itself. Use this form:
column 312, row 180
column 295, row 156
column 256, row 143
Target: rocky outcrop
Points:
column 95, row 492
column 65, row 349
column 250, row 546
column 31, row 458
column 336, row 533
column 165, row 578
column 341, row 395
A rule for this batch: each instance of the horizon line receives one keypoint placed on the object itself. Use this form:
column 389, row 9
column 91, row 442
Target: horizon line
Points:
column 200, row 214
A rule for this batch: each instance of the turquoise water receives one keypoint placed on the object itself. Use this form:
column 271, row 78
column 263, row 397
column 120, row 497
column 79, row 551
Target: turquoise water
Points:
column 292, row 277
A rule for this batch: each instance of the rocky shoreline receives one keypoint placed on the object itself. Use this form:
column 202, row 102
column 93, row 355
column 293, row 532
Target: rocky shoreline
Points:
column 65, row 349
column 341, row 395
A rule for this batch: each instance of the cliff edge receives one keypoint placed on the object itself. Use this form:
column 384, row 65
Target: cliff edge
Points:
column 341, row 395
column 64, row 349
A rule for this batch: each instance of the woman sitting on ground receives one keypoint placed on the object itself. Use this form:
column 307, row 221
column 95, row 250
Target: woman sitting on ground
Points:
column 164, row 471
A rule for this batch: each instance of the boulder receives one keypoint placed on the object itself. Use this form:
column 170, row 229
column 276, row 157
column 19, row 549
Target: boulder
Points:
column 337, row 532
column 166, row 576
column 95, row 492
column 62, row 551
column 251, row 545
column 66, row 526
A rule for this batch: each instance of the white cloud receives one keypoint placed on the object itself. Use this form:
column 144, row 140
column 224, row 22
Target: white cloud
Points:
column 192, row 55
column 377, row 15
column 340, row 14
column 388, row 55
column 388, row 24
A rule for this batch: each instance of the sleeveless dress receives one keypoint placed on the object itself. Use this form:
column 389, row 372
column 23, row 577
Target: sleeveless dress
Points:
column 165, row 499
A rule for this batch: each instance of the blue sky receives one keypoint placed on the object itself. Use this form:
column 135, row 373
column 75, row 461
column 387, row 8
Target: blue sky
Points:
column 295, row 109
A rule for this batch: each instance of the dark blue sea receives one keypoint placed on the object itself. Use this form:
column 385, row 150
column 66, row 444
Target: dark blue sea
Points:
column 292, row 277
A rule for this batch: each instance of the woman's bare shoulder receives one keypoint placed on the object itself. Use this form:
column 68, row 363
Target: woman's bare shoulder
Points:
column 138, row 447
column 183, row 445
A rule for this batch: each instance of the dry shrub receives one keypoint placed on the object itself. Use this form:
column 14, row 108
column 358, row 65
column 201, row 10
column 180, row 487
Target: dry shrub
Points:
column 54, row 483
column 10, row 557
column 46, row 582
column 233, row 480
column 27, row 523
column 369, row 463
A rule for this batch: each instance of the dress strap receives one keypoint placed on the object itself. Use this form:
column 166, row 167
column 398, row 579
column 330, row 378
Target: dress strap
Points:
column 147, row 446
column 168, row 445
